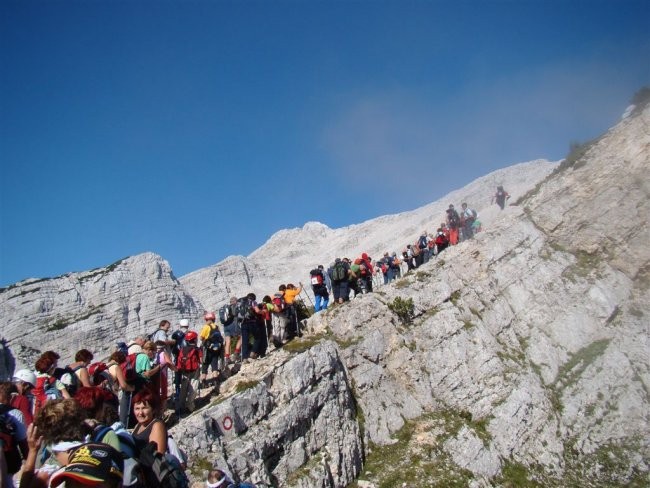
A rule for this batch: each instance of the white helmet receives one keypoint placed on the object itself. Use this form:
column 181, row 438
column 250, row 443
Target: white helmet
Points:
column 184, row 323
column 26, row 376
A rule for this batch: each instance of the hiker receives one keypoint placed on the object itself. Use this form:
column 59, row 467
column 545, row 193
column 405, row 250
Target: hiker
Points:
column 146, row 365
column 278, row 320
column 164, row 359
column 146, row 408
column 290, row 295
column 121, row 387
column 339, row 275
column 409, row 257
column 135, row 346
column 231, row 329
column 178, row 336
column 453, row 223
column 162, row 335
column 250, row 315
column 394, row 267
column 188, row 365
column 267, row 307
column 13, row 426
column 441, row 240
column 319, row 288
column 22, row 399
column 218, row 478
column 467, row 218
column 91, row 464
column 100, row 409
column 76, row 374
column 47, row 387
column 179, row 341
column 423, row 246
column 366, row 271
column 354, row 277
column 60, row 426
column 212, row 345
column 500, row 197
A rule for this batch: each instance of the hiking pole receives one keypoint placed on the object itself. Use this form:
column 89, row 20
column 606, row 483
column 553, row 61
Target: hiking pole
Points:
column 302, row 290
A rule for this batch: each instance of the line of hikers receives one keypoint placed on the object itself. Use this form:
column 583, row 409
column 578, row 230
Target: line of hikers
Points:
column 64, row 425
column 79, row 414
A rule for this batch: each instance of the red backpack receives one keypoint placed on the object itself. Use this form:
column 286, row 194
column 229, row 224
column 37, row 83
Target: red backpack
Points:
column 43, row 390
column 128, row 368
column 189, row 359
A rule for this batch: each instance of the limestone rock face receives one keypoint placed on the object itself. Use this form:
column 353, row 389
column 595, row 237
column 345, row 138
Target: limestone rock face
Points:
column 92, row 310
column 536, row 330
column 294, row 423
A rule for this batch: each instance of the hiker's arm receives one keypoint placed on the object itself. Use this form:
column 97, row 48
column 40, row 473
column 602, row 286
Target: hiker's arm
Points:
column 84, row 377
column 121, row 380
column 159, row 436
column 28, row 478
column 149, row 373
column 170, row 363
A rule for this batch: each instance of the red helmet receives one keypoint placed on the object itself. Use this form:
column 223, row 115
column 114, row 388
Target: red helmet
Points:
column 209, row 316
column 191, row 336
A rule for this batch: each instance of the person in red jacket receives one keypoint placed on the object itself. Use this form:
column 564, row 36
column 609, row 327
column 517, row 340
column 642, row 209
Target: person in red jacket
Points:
column 24, row 380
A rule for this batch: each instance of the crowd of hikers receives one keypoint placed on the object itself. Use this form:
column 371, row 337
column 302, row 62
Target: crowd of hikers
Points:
column 104, row 423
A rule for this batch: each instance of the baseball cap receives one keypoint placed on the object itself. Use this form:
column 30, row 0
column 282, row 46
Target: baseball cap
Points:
column 91, row 464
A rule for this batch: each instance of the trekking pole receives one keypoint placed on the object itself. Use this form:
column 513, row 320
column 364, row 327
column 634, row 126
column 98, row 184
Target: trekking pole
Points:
column 302, row 290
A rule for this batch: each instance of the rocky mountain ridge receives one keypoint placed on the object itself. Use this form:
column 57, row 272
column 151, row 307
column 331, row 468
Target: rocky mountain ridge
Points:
column 519, row 358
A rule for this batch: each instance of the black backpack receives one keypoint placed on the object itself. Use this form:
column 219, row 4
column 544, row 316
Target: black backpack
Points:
column 161, row 471
column 244, row 310
column 9, row 441
column 214, row 340
column 226, row 316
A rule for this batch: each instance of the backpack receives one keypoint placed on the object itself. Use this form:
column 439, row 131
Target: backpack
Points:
column 214, row 340
column 339, row 273
column 225, row 315
column 128, row 368
column 68, row 377
column 454, row 219
column 178, row 337
column 316, row 277
column 44, row 390
column 163, row 471
column 278, row 303
column 422, row 242
column 244, row 310
column 189, row 359
column 98, row 373
column 128, row 448
column 9, row 441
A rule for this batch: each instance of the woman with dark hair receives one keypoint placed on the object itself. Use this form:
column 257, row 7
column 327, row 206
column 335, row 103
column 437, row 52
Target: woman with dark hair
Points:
column 146, row 408
column 82, row 360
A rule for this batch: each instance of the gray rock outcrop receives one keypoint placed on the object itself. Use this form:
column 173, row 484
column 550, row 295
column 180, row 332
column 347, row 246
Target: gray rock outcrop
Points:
column 92, row 310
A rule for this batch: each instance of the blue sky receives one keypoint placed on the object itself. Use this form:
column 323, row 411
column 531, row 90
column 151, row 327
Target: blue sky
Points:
column 197, row 129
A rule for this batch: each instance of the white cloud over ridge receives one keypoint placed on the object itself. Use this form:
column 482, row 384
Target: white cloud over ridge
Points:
column 444, row 140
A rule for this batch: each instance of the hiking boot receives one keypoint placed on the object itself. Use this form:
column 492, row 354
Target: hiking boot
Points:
column 254, row 355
